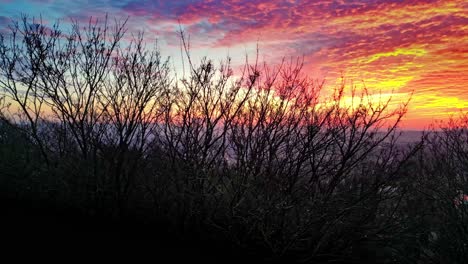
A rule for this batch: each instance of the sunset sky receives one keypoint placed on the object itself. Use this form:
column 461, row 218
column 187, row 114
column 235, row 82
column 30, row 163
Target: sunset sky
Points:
column 418, row 47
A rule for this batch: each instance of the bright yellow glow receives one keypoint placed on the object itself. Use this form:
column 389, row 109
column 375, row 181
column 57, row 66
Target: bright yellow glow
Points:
column 399, row 51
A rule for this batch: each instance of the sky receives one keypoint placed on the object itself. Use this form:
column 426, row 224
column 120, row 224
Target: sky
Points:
column 407, row 48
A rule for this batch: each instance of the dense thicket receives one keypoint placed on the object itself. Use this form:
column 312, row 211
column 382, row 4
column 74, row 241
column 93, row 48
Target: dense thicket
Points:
column 262, row 158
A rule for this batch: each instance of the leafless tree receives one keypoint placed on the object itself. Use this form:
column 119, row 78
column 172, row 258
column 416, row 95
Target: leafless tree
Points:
column 443, row 182
column 131, row 111
column 83, row 95
column 267, row 157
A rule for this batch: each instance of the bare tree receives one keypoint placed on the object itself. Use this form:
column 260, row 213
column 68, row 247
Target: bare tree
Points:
column 267, row 158
column 443, row 182
column 131, row 109
column 85, row 99
column 22, row 53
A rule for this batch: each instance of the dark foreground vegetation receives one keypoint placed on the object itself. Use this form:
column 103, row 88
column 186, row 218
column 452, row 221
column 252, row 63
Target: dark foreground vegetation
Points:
column 100, row 141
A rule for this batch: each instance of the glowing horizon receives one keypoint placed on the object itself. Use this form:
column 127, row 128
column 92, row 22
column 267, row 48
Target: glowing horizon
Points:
column 408, row 47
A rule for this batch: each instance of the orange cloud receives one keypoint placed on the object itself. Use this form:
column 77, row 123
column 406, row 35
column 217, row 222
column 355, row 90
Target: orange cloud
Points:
column 409, row 47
